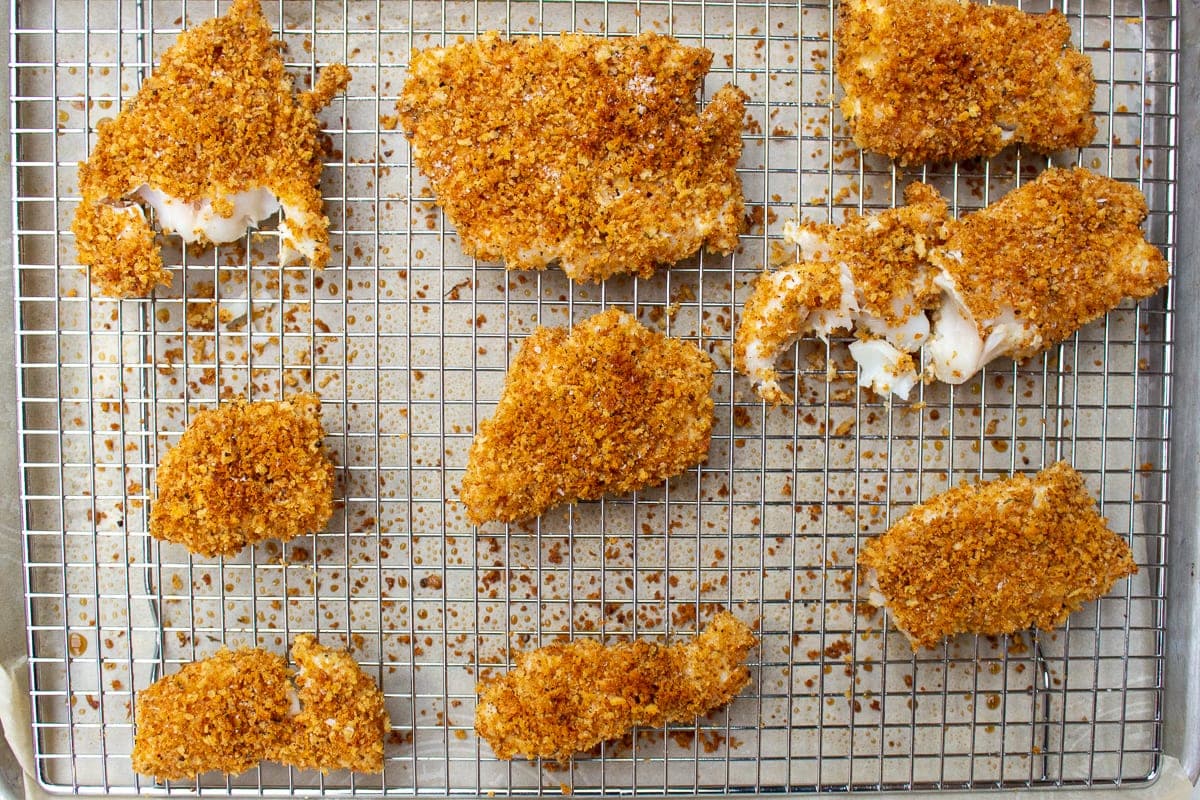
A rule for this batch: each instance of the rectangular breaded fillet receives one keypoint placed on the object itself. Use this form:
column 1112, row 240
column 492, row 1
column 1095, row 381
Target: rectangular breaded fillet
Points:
column 610, row 407
column 566, row 698
column 932, row 81
column 578, row 149
column 995, row 558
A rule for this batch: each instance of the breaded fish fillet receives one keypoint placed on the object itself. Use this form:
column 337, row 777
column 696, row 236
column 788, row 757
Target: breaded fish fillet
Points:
column 215, row 141
column 931, row 81
column 577, row 149
column 239, row 707
column 245, row 472
column 610, row 407
column 995, row 558
column 565, row 698
column 870, row 274
column 1028, row 271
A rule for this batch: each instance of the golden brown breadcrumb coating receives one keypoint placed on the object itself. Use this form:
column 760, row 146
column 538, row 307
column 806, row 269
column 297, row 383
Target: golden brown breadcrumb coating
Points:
column 931, row 81
column 342, row 720
column 886, row 253
column 217, row 117
column 996, row 558
column 610, row 407
column 566, row 698
column 580, row 149
column 245, row 472
column 886, row 256
column 1060, row 251
column 238, row 707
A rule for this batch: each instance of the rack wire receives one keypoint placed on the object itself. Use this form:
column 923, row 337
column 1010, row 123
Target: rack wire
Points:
column 407, row 342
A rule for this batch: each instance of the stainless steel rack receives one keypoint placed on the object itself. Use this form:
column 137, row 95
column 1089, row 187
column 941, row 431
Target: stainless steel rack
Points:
column 407, row 342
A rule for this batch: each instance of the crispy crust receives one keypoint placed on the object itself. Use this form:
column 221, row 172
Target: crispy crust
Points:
column 931, row 81
column 245, row 472
column 218, row 116
column 566, row 698
column 887, row 252
column 1061, row 251
column 234, row 709
column 887, row 257
column 997, row 557
column 342, row 720
column 579, row 149
column 611, row 407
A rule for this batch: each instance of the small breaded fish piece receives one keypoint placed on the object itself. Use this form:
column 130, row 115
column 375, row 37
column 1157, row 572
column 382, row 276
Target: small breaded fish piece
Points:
column 869, row 274
column 995, row 558
column 342, row 720
column 215, row 141
column 239, row 707
column 245, row 472
column 570, row 697
column 610, row 407
column 577, row 149
column 932, row 81
column 1027, row 272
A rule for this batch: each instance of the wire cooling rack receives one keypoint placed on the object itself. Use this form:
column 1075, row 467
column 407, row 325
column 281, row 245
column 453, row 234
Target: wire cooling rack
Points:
column 407, row 342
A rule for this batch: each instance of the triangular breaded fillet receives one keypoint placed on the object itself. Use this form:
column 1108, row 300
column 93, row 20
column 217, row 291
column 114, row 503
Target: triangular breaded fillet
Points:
column 215, row 141
column 611, row 407
column 578, row 149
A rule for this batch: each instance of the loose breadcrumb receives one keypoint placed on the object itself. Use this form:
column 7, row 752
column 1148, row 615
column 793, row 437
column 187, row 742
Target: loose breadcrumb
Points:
column 931, row 81
column 217, row 117
column 566, row 698
column 580, row 149
column 885, row 257
column 1059, row 252
column 239, row 707
column 610, row 407
column 996, row 558
column 245, row 472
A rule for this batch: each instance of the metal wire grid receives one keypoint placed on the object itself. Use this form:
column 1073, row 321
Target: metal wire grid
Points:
column 407, row 342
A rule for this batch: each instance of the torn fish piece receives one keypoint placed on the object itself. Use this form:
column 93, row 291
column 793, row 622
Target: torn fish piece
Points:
column 869, row 275
column 215, row 142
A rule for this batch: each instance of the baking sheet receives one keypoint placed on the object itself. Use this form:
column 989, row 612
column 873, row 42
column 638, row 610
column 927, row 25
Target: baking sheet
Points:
column 407, row 341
